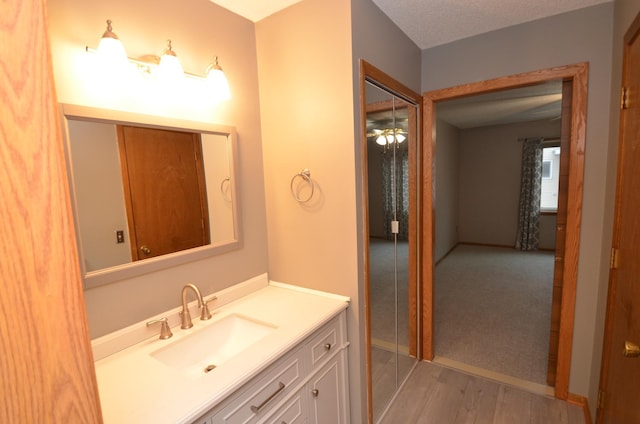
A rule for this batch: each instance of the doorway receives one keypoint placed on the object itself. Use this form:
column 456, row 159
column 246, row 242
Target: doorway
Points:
column 390, row 146
column 493, row 294
column 567, row 234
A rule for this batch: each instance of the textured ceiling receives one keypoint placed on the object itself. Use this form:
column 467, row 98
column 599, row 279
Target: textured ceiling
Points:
column 431, row 23
column 538, row 102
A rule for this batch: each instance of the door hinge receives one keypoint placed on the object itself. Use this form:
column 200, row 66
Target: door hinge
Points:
column 624, row 98
column 615, row 258
column 600, row 400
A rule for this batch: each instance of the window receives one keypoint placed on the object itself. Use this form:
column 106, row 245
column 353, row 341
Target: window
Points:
column 546, row 169
column 550, row 179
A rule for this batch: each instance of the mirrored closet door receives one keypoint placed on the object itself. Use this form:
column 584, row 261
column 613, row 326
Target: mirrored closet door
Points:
column 391, row 201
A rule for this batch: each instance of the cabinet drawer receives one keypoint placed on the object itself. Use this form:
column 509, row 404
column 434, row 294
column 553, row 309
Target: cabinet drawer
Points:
column 254, row 401
column 292, row 412
column 324, row 341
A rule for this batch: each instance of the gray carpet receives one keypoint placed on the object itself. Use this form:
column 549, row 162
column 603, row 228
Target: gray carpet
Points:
column 382, row 292
column 493, row 310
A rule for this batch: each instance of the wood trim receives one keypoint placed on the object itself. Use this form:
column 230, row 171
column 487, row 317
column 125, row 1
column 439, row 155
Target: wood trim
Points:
column 126, row 187
column 365, row 240
column 582, row 402
column 370, row 73
column 578, row 74
column 561, row 226
column 48, row 373
column 428, row 223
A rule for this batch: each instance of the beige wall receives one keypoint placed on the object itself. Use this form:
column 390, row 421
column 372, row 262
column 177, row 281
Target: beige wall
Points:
column 307, row 122
column 198, row 32
column 584, row 35
column 447, row 177
column 490, row 167
column 477, row 184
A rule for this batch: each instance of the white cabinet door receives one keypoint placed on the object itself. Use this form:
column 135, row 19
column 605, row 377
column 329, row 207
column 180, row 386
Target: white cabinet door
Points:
column 327, row 394
column 294, row 411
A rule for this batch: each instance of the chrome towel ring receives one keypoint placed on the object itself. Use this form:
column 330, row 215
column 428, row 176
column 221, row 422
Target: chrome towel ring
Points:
column 305, row 174
column 224, row 189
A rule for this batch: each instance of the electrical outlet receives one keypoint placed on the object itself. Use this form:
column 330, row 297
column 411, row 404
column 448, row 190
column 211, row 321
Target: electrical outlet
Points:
column 119, row 236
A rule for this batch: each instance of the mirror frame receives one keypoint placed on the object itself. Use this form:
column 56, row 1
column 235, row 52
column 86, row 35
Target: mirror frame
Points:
column 133, row 269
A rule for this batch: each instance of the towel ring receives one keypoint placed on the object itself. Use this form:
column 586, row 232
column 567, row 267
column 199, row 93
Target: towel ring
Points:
column 224, row 189
column 305, row 174
column 226, row 180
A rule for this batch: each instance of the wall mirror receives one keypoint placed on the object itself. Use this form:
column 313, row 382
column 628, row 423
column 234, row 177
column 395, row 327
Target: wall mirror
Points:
column 148, row 192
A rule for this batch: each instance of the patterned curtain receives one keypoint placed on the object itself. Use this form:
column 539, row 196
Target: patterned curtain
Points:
column 530, row 182
column 396, row 196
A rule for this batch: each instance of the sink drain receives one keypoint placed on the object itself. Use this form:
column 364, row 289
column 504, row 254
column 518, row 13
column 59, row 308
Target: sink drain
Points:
column 209, row 368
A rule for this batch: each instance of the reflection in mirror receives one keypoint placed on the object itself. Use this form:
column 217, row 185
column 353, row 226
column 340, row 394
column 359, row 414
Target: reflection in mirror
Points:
column 149, row 192
column 391, row 142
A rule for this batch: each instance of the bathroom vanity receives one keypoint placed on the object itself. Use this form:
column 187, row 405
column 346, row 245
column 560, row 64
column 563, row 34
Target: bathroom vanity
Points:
column 271, row 353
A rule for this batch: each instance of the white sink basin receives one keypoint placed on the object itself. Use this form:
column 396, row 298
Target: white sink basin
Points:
column 209, row 347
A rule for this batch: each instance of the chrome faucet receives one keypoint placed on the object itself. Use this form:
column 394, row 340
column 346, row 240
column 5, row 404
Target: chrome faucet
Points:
column 185, row 316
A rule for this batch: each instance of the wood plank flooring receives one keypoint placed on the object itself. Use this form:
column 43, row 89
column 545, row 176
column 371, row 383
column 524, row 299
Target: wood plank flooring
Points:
column 434, row 394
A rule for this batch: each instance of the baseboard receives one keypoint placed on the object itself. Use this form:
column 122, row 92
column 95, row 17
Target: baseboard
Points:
column 582, row 402
column 447, row 254
column 529, row 386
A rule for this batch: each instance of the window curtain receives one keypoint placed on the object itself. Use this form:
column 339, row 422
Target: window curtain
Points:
column 395, row 186
column 530, row 183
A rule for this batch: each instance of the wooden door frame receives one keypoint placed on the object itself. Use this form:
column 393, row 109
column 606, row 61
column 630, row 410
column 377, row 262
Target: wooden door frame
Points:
column 369, row 73
column 578, row 75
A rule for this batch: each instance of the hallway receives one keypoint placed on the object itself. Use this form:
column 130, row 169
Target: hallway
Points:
column 440, row 395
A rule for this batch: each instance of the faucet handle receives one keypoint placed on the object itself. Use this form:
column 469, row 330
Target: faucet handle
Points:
column 165, row 331
column 204, row 313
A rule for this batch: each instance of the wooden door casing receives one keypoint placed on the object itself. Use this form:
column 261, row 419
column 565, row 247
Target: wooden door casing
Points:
column 620, row 375
column 561, row 232
column 577, row 74
column 165, row 193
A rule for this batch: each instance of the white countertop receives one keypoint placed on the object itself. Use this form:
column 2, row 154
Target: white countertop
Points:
column 137, row 388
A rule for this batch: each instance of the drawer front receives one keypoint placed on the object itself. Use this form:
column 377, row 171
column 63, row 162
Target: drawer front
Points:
column 327, row 339
column 293, row 412
column 268, row 389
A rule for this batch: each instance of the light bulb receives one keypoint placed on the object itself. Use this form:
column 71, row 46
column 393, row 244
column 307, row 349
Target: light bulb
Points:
column 170, row 67
column 218, row 81
column 111, row 51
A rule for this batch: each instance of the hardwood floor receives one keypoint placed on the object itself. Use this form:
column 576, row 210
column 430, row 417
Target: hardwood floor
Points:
column 440, row 395
column 384, row 377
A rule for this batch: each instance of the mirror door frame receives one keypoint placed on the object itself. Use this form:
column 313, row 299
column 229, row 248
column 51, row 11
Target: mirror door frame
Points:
column 371, row 74
column 577, row 74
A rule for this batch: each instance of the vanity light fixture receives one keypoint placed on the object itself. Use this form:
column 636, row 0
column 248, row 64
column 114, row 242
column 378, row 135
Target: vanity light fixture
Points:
column 217, row 80
column 112, row 54
column 110, row 48
column 170, row 67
